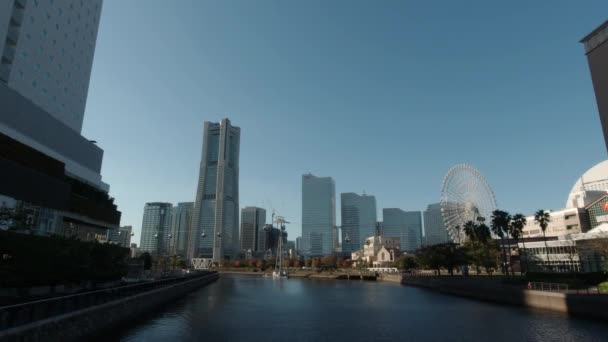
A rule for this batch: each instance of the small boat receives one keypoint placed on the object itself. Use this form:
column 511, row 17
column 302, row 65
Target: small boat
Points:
column 280, row 275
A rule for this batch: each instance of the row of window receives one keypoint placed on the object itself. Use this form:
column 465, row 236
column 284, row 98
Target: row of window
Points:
column 552, row 250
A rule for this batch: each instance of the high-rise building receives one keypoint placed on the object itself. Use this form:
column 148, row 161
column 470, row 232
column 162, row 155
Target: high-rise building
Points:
column 252, row 221
column 268, row 240
column 46, row 55
column 435, row 231
column 596, row 49
column 406, row 225
column 121, row 236
column 47, row 52
column 298, row 245
column 180, row 228
column 215, row 223
column 359, row 220
column 156, row 228
column 318, row 215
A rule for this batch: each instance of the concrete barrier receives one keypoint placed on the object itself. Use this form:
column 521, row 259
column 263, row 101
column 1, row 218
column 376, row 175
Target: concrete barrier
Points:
column 494, row 290
column 79, row 324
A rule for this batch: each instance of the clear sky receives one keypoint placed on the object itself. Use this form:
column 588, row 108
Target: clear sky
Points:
column 384, row 96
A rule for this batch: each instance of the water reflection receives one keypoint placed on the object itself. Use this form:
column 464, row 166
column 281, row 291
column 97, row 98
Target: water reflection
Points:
column 239, row 308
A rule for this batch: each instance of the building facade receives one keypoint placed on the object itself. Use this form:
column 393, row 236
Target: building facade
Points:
column 435, row 231
column 47, row 52
column 597, row 212
column 359, row 219
column 46, row 55
column 181, row 222
column 253, row 220
column 156, row 228
column 121, row 236
column 407, row 225
column 378, row 251
column 215, row 223
column 596, row 49
column 563, row 222
column 318, row 215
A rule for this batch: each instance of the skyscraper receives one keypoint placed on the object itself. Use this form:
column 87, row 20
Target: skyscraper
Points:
column 156, row 228
column 359, row 220
column 47, row 52
column 180, row 227
column 596, row 48
column 434, row 229
column 46, row 56
column 406, row 225
column 252, row 221
column 215, row 223
column 318, row 214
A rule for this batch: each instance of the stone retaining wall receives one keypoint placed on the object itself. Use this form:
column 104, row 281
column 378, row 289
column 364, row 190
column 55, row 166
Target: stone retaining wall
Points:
column 494, row 291
column 77, row 325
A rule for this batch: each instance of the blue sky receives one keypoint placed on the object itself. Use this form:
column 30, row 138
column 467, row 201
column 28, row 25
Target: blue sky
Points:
column 383, row 96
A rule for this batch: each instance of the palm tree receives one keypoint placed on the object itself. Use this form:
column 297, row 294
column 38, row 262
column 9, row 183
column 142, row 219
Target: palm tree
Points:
column 500, row 227
column 469, row 230
column 518, row 223
column 543, row 218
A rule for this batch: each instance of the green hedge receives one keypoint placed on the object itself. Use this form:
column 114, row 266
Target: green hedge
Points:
column 28, row 260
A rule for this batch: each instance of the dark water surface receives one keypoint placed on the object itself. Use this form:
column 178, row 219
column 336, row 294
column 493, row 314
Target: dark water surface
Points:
column 252, row 308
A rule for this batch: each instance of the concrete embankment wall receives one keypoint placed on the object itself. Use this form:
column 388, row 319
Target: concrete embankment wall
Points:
column 494, row 291
column 78, row 325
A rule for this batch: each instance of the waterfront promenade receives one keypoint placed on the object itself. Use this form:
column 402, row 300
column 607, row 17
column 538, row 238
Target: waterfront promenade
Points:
column 75, row 317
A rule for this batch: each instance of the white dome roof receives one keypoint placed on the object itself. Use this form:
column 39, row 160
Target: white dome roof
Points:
column 589, row 186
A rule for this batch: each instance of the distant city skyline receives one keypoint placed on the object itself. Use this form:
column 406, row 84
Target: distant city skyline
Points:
column 368, row 97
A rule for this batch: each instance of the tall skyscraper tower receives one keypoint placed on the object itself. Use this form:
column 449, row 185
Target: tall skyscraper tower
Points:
column 47, row 52
column 435, row 231
column 406, row 225
column 180, row 228
column 215, row 224
column 252, row 222
column 596, row 48
column 156, row 228
column 318, row 214
column 359, row 220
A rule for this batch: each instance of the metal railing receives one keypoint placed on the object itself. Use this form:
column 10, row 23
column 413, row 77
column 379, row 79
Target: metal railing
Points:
column 19, row 314
column 549, row 287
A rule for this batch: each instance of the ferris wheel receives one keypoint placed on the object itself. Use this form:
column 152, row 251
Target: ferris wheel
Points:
column 465, row 196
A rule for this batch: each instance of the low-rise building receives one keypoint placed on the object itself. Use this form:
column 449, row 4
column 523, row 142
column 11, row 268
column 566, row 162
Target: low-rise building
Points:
column 378, row 250
column 563, row 222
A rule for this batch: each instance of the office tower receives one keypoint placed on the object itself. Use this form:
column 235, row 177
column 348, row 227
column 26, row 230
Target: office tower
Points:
column 413, row 238
column 596, row 49
column 406, row 225
column 121, row 236
column 215, row 223
column 298, row 245
column 156, row 228
column 252, row 221
column 318, row 214
column 434, row 229
column 359, row 220
column 46, row 55
column 180, row 228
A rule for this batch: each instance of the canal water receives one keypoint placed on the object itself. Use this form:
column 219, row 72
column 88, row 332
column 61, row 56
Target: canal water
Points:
column 253, row 308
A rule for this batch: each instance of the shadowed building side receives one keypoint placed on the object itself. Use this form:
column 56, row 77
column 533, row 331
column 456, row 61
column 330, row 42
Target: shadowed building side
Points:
column 596, row 49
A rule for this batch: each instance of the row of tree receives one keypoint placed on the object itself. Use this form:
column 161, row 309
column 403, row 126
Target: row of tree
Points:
column 479, row 248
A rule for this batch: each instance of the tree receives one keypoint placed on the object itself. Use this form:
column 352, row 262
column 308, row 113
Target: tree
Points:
column 543, row 218
column 500, row 227
column 315, row 262
column 261, row 264
column 518, row 223
column 430, row 257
